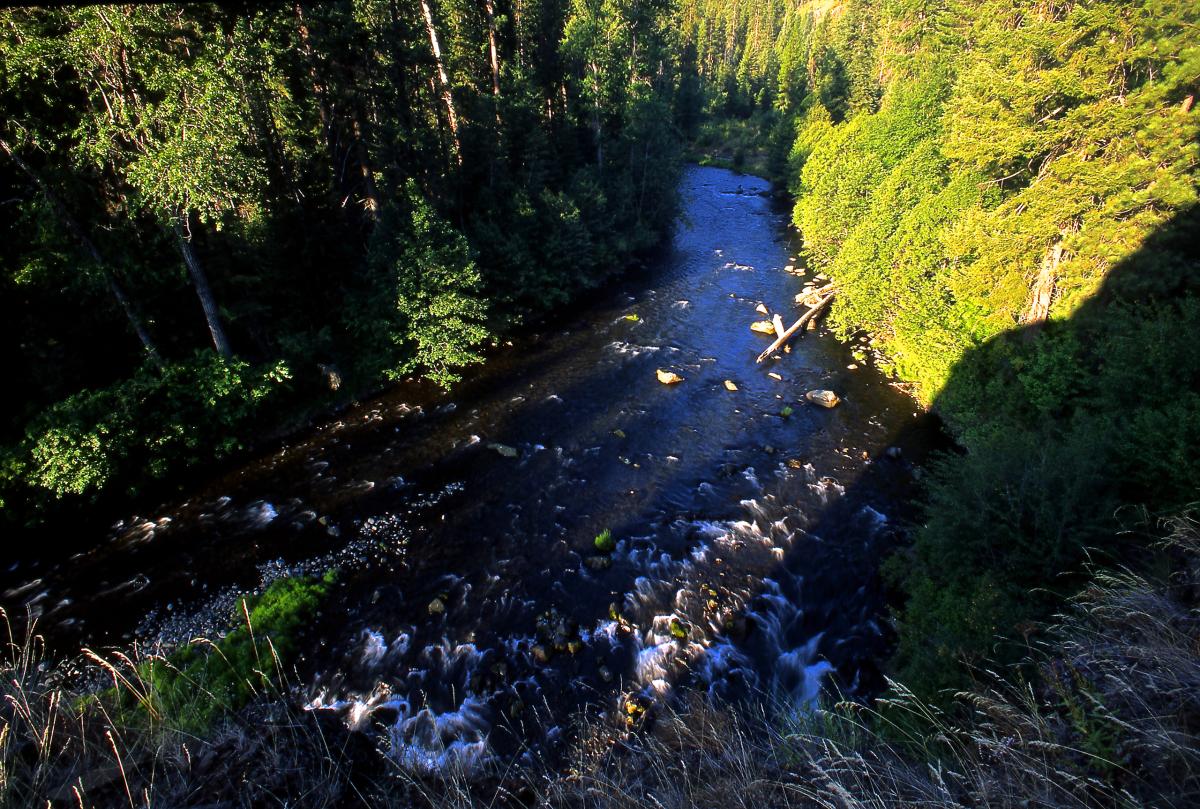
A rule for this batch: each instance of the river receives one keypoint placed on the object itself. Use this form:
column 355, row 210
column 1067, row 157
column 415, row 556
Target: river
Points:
column 473, row 613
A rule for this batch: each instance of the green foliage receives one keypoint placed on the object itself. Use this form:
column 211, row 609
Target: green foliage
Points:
column 422, row 306
column 146, row 427
column 197, row 685
column 604, row 541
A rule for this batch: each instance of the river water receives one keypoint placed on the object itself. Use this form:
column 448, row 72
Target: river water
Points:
column 473, row 613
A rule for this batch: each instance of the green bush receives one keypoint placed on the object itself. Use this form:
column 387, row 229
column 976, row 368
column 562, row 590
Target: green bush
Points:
column 147, row 427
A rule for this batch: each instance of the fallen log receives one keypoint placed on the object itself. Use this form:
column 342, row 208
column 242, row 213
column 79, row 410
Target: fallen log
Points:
column 799, row 324
column 810, row 297
column 777, row 322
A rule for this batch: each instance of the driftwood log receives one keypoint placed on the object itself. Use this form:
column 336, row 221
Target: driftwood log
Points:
column 813, row 296
column 812, row 312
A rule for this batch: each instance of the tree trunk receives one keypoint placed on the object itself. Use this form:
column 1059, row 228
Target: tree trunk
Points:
column 596, row 127
column 203, row 291
column 1043, row 291
column 443, row 78
column 89, row 247
column 489, row 9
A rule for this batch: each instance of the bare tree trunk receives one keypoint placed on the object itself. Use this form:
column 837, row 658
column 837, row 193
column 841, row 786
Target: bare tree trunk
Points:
column 596, row 127
column 89, row 247
column 203, row 291
column 1043, row 291
column 494, row 53
column 490, row 11
column 443, row 78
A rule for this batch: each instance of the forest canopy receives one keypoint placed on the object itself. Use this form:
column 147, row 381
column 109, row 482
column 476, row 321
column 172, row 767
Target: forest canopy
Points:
column 217, row 213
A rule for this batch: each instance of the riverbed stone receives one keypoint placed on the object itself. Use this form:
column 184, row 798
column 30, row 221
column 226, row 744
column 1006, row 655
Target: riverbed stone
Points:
column 824, row 398
column 504, row 449
column 598, row 563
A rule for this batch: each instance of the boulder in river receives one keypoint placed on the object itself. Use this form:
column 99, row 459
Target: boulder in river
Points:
column 668, row 377
column 598, row 563
column 730, row 386
column 763, row 327
column 762, row 309
column 824, row 398
column 504, row 449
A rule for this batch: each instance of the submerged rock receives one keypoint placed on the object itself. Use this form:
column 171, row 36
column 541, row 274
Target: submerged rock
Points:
column 504, row 449
column 763, row 327
column 730, row 386
column 824, row 398
column 598, row 563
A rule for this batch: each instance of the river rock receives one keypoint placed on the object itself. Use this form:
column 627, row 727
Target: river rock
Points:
column 824, row 398
column 730, row 386
column 668, row 377
column 763, row 327
column 437, row 607
column 504, row 449
column 598, row 563
column 761, row 309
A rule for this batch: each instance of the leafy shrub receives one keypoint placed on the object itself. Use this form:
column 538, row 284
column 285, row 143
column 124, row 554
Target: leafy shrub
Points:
column 147, row 427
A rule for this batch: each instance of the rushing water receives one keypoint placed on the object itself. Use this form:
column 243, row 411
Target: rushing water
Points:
column 473, row 613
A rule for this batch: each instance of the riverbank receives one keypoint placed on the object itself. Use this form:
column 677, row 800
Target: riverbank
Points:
column 1105, row 720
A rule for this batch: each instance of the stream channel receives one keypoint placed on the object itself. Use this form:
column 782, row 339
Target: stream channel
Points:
column 472, row 615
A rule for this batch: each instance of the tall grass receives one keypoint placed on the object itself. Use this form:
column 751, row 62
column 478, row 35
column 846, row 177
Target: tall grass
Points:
column 113, row 731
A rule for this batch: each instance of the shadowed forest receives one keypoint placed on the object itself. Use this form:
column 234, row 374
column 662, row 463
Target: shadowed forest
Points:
column 225, row 224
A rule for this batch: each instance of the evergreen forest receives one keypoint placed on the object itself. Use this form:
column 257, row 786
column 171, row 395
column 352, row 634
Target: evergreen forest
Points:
column 223, row 225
